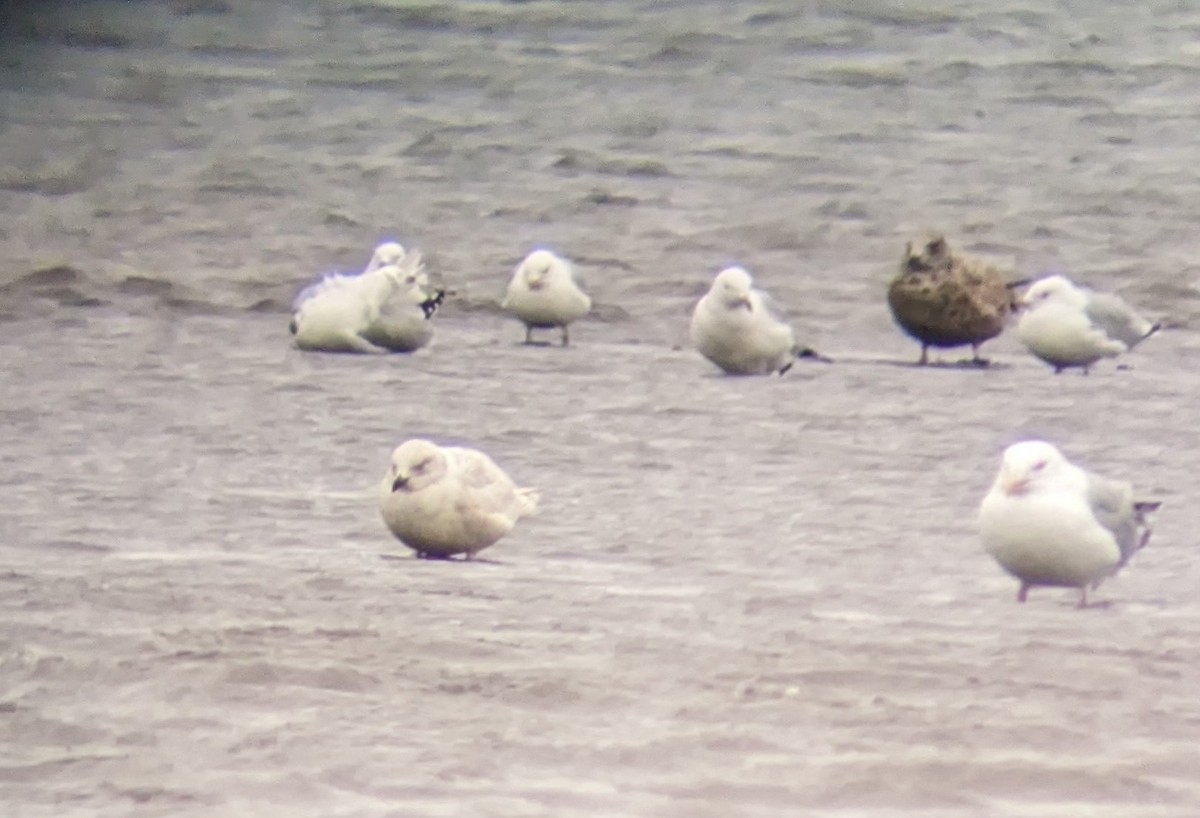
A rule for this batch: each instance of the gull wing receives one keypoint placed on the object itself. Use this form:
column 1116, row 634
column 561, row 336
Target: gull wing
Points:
column 1117, row 319
column 1113, row 507
column 489, row 488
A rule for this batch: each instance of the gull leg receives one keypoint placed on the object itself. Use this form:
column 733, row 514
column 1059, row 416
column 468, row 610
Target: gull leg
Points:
column 564, row 335
column 1083, row 600
column 1023, row 593
column 528, row 334
column 924, row 359
column 975, row 359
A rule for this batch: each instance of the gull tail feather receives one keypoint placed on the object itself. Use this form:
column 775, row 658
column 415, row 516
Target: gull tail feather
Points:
column 529, row 501
column 1141, row 510
column 430, row 305
column 810, row 354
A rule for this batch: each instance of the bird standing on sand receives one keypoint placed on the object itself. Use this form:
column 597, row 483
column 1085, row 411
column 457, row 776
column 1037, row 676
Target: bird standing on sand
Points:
column 441, row 501
column 734, row 326
column 1067, row 326
column 543, row 294
column 944, row 300
column 1049, row 522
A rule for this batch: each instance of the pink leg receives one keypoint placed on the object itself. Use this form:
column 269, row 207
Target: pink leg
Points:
column 1023, row 594
column 1083, row 603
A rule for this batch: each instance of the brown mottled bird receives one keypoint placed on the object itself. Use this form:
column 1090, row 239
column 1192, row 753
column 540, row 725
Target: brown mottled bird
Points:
column 944, row 300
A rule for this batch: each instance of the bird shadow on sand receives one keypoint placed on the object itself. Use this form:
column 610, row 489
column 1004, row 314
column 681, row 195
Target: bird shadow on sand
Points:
column 963, row 364
column 453, row 559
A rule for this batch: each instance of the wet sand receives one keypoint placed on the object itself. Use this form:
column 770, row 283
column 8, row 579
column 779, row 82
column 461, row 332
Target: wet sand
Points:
column 742, row 597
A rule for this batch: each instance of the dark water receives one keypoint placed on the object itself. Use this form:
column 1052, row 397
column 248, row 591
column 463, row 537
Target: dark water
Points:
column 752, row 597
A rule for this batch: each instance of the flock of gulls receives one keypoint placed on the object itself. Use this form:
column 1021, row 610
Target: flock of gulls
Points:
column 1045, row 521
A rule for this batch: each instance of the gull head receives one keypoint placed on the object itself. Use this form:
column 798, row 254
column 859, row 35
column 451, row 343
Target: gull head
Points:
column 376, row 287
column 387, row 253
column 1054, row 289
column 409, row 276
column 733, row 287
column 415, row 464
column 1032, row 465
column 932, row 253
column 541, row 267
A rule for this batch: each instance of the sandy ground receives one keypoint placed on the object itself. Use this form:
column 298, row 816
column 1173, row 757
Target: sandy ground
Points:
column 755, row 597
column 742, row 597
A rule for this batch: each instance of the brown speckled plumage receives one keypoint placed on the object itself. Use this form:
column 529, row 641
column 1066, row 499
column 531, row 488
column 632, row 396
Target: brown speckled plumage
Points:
column 944, row 300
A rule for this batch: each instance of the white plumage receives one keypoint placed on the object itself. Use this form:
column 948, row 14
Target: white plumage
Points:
column 1067, row 326
column 384, row 308
column 543, row 294
column 441, row 501
column 1049, row 522
column 734, row 326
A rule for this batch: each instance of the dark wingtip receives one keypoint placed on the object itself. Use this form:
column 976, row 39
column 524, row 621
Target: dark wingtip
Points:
column 810, row 354
column 430, row 305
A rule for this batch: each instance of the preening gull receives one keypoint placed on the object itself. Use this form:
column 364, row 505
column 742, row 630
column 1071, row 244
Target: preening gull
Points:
column 543, row 294
column 735, row 327
column 1049, row 522
column 403, row 324
column 387, row 253
column 441, row 501
column 1067, row 326
column 384, row 308
column 946, row 300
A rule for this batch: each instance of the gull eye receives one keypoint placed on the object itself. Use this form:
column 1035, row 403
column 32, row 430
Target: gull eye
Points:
column 1039, row 466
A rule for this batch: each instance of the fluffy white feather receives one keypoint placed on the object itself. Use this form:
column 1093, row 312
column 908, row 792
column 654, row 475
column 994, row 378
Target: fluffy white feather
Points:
column 1049, row 522
column 1068, row 326
column 441, row 501
column 734, row 326
column 384, row 308
column 543, row 294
